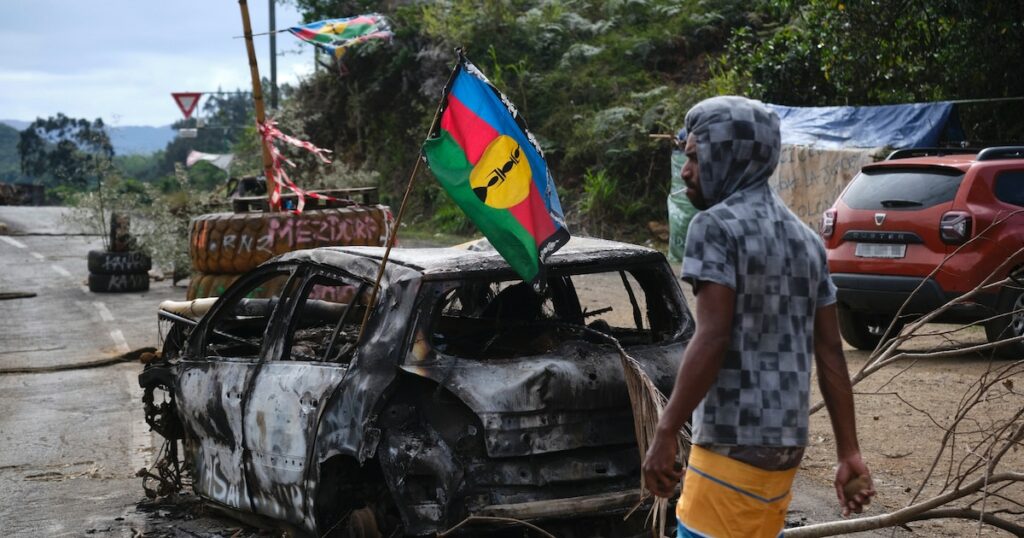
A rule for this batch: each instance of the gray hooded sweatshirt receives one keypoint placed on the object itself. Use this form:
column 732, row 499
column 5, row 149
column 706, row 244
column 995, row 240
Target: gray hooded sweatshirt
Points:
column 751, row 242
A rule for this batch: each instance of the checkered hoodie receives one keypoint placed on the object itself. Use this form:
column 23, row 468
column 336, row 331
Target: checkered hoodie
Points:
column 751, row 242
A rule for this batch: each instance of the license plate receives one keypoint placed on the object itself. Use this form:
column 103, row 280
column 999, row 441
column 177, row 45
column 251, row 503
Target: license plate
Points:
column 880, row 250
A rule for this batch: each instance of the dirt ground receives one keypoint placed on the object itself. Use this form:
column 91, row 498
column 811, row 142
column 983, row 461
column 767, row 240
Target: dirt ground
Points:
column 903, row 412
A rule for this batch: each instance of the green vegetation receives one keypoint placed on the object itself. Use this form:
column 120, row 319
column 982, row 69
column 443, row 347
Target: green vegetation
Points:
column 825, row 52
column 595, row 79
column 10, row 163
column 65, row 151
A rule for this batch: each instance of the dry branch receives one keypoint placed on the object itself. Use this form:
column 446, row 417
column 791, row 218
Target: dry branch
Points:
column 913, row 512
column 973, row 475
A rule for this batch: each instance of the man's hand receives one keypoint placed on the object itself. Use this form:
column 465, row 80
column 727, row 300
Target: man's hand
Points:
column 853, row 481
column 853, row 485
column 661, row 472
column 697, row 372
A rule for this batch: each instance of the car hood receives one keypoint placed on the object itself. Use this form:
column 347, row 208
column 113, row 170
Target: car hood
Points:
column 572, row 398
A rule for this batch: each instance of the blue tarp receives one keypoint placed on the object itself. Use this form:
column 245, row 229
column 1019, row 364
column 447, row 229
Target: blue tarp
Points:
column 898, row 126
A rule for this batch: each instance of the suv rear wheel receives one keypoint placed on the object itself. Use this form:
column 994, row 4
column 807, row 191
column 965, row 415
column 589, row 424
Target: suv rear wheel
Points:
column 864, row 331
column 1009, row 324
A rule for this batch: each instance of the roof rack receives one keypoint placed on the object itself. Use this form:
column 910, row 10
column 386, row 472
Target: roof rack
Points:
column 1003, row 152
column 928, row 152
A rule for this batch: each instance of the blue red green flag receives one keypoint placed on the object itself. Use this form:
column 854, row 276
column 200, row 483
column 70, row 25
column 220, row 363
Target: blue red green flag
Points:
column 492, row 167
column 336, row 35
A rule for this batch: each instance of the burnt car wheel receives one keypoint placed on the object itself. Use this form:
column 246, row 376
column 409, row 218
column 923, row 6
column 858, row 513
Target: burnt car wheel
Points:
column 1009, row 324
column 864, row 331
column 159, row 402
column 353, row 502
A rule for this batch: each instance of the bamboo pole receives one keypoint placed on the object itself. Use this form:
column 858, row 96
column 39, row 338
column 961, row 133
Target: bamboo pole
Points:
column 257, row 97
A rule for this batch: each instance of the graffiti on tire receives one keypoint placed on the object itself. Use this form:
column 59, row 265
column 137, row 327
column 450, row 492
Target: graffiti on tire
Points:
column 119, row 283
column 115, row 263
column 334, row 229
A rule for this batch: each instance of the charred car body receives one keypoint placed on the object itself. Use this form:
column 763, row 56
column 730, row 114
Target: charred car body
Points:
column 466, row 393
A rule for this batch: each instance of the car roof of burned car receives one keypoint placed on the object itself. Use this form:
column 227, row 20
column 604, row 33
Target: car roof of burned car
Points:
column 474, row 256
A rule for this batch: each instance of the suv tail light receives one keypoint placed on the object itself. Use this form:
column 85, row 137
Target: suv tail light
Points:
column 828, row 223
column 955, row 227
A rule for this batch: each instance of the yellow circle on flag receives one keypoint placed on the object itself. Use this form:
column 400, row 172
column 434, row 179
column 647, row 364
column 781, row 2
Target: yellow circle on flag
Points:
column 502, row 176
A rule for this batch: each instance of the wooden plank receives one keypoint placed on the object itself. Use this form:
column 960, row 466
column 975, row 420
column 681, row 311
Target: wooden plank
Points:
column 563, row 507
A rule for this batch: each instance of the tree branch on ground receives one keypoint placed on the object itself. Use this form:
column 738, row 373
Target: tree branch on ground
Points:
column 987, row 425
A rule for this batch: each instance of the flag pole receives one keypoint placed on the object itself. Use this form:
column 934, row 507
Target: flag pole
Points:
column 405, row 197
column 257, row 97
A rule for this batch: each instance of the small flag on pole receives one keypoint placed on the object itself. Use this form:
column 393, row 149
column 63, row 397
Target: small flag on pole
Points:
column 492, row 167
column 336, row 35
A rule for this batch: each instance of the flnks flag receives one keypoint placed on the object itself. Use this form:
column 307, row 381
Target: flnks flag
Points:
column 493, row 168
column 336, row 35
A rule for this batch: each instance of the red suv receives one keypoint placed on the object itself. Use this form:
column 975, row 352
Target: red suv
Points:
column 898, row 219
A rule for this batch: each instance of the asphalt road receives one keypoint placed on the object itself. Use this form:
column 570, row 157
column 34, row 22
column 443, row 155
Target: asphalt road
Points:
column 72, row 441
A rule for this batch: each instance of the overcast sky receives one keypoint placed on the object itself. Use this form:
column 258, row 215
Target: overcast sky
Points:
column 121, row 59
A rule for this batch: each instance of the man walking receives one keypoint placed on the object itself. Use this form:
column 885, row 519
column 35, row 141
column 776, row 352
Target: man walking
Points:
column 765, row 307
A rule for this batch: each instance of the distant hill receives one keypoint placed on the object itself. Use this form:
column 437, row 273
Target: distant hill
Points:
column 140, row 139
column 127, row 140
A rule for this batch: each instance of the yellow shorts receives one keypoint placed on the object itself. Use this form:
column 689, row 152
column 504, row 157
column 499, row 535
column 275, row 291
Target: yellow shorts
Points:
column 724, row 498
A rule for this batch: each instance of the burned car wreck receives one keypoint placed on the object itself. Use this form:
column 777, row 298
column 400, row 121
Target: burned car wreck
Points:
column 465, row 394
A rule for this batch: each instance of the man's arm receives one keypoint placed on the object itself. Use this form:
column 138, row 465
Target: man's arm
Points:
column 834, row 381
column 697, row 372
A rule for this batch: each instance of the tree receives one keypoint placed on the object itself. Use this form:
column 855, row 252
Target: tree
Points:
column 226, row 116
column 68, row 150
column 874, row 53
column 593, row 80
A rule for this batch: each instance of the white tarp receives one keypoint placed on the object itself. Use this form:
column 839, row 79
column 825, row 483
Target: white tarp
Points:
column 810, row 179
column 222, row 161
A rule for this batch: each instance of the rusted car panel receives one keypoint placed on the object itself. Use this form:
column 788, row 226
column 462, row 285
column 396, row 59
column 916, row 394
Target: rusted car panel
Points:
column 452, row 403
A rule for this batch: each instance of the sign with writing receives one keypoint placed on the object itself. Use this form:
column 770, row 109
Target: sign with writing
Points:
column 810, row 179
column 187, row 102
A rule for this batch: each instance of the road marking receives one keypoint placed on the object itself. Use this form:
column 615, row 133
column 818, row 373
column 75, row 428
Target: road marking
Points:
column 105, row 314
column 60, row 270
column 14, row 242
column 85, row 289
column 122, row 344
column 37, row 256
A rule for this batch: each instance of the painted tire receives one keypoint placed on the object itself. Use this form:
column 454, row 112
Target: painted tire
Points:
column 238, row 242
column 214, row 285
column 118, row 263
column 123, row 283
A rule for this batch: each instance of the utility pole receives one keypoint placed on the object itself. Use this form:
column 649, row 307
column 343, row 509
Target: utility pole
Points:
column 257, row 97
column 273, row 55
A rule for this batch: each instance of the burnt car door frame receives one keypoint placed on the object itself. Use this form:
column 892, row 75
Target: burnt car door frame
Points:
column 284, row 404
column 220, row 386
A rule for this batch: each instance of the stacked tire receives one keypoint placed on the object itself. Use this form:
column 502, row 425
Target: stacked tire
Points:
column 118, row 272
column 223, row 246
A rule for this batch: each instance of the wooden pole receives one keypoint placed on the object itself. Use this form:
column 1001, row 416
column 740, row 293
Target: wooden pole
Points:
column 257, row 97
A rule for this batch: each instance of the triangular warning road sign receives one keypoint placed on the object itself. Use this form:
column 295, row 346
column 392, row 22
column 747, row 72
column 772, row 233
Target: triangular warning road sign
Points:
column 187, row 102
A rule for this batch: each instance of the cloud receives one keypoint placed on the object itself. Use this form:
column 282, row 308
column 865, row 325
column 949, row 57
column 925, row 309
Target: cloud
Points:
column 121, row 59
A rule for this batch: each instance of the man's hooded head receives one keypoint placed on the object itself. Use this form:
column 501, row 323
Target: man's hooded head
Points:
column 737, row 144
